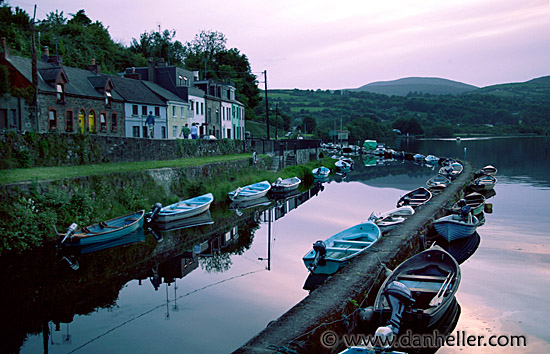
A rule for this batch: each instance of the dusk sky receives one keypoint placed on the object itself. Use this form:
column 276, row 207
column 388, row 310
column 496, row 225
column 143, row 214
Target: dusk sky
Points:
column 312, row 44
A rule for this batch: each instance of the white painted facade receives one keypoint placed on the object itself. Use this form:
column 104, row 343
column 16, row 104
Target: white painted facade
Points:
column 135, row 122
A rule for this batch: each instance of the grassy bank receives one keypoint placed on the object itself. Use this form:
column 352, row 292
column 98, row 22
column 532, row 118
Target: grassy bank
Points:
column 54, row 173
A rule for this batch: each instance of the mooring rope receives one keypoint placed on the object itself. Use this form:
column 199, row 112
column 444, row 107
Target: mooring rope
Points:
column 161, row 306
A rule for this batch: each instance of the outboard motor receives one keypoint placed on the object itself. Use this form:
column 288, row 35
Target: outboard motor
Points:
column 465, row 211
column 70, row 231
column 399, row 298
column 154, row 211
column 320, row 252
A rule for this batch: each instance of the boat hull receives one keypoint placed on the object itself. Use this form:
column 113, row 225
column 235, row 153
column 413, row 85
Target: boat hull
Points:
column 118, row 227
column 190, row 207
column 451, row 229
column 250, row 192
column 344, row 246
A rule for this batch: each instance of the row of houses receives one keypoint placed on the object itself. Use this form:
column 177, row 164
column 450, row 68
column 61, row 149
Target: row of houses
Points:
column 74, row 100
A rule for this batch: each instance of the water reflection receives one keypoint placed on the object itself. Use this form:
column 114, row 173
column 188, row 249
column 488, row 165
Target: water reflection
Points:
column 55, row 285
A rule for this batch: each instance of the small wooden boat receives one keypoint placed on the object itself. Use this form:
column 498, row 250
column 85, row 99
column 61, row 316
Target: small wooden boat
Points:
column 388, row 220
column 285, row 185
column 484, row 183
column 474, row 200
column 415, row 198
column 419, row 291
column 327, row 257
column 461, row 249
column 342, row 166
column 184, row 209
column 419, row 157
column 487, row 170
column 456, row 226
column 431, row 159
column 105, row 230
column 320, row 172
column 438, row 180
column 252, row 191
column 451, row 171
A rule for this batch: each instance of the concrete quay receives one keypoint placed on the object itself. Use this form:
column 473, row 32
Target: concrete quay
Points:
column 333, row 305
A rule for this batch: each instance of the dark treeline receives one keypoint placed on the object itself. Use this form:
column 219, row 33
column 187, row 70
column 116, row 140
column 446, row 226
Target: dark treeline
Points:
column 79, row 40
column 503, row 109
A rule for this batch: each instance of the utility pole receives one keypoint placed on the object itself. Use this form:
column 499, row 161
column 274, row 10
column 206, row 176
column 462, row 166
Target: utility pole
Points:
column 276, row 122
column 34, row 74
column 266, row 104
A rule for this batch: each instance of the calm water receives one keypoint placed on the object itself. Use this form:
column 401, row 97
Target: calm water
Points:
column 215, row 302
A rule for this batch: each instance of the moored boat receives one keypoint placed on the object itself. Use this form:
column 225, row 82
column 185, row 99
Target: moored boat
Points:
column 415, row 198
column 105, row 230
column 419, row 291
column 484, row 183
column 474, row 200
column 320, row 172
column 438, row 180
column 342, row 166
column 431, row 159
column 183, row 209
column 251, row 191
column 456, row 226
column 285, row 185
column 327, row 257
column 451, row 171
column 389, row 219
column 487, row 170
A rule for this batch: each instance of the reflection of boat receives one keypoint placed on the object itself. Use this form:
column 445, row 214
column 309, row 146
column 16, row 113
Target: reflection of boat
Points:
column 419, row 291
column 184, row 209
column 475, row 200
column 204, row 218
column 285, row 185
column 461, row 249
column 370, row 161
column 105, row 230
column 320, row 172
column 328, row 256
column 388, row 220
column 415, row 198
column 456, row 226
column 252, row 191
column 246, row 204
column 484, row 183
column 133, row 237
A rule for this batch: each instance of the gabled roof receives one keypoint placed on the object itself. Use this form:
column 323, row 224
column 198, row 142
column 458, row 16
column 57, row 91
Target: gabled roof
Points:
column 100, row 82
column 163, row 93
column 80, row 82
column 132, row 90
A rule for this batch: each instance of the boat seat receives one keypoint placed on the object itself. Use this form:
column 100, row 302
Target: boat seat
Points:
column 341, row 249
column 351, row 242
column 421, row 277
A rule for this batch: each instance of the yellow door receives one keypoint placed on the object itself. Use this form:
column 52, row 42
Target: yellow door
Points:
column 91, row 121
column 81, row 121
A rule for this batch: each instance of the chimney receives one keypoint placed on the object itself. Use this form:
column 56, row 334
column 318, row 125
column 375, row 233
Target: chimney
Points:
column 4, row 47
column 46, row 56
column 96, row 68
column 151, row 70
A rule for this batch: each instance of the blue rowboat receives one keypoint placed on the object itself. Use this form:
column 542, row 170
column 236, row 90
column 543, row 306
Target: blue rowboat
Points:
column 320, row 172
column 252, row 191
column 184, row 209
column 104, row 231
column 454, row 227
column 329, row 256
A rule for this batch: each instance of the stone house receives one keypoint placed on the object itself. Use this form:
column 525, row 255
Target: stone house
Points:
column 69, row 100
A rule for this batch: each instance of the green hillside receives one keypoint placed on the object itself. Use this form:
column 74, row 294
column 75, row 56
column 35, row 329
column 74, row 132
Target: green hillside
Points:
column 532, row 90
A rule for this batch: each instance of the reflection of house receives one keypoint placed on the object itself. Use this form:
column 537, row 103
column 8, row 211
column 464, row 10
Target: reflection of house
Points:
column 68, row 99
column 339, row 136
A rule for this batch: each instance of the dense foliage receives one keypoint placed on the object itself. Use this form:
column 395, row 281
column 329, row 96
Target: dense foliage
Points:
column 79, row 40
column 502, row 109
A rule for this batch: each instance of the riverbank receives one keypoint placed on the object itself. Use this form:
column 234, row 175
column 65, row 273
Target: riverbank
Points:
column 32, row 210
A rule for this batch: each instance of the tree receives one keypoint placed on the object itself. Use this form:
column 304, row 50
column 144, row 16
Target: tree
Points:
column 309, row 124
column 159, row 45
column 208, row 54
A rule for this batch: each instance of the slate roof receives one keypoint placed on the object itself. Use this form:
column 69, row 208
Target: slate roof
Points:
column 80, row 81
column 163, row 93
column 136, row 91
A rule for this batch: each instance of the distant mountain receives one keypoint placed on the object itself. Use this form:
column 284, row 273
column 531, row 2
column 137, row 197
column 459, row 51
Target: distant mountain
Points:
column 431, row 85
column 533, row 89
